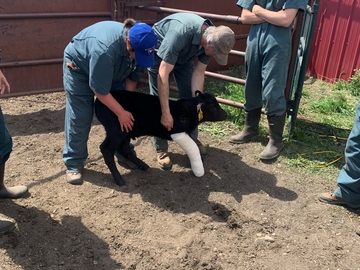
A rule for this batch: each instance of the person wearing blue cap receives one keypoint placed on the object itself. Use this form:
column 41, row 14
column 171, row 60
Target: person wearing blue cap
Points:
column 183, row 39
column 105, row 56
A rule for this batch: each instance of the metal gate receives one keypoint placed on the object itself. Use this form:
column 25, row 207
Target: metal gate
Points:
column 33, row 35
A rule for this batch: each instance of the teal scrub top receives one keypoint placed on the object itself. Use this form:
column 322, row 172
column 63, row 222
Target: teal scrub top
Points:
column 179, row 37
column 280, row 35
column 100, row 52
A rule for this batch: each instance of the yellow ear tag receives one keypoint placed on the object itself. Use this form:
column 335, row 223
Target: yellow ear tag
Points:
column 200, row 113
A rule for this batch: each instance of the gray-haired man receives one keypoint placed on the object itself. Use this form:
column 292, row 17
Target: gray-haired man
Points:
column 183, row 38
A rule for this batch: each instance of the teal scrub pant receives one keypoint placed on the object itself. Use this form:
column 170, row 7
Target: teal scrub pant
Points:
column 79, row 113
column 182, row 75
column 267, row 59
column 349, row 177
column 5, row 140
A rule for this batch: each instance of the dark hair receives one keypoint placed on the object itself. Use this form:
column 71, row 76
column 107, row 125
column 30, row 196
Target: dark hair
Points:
column 128, row 23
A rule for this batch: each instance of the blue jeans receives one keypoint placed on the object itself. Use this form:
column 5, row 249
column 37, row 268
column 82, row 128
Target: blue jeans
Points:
column 349, row 177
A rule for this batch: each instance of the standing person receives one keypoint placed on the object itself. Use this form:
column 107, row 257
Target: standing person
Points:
column 267, row 60
column 5, row 150
column 348, row 182
column 183, row 38
column 105, row 56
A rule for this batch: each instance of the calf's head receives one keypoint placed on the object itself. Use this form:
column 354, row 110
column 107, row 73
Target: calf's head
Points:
column 209, row 108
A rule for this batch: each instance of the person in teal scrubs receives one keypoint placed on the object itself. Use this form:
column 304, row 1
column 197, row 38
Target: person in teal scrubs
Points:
column 348, row 191
column 267, row 60
column 5, row 150
column 182, row 39
column 105, row 56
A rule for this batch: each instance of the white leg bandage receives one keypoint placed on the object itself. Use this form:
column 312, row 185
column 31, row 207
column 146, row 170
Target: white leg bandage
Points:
column 191, row 149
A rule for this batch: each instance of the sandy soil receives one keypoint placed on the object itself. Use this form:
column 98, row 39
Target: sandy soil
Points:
column 243, row 214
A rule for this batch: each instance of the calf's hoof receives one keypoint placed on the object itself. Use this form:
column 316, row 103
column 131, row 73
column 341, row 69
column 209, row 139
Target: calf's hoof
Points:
column 144, row 167
column 120, row 182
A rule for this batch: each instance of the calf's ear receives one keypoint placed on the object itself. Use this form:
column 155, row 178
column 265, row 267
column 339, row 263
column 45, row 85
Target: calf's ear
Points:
column 197, row 93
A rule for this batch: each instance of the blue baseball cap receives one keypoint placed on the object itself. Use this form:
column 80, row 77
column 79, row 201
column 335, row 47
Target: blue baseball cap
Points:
column 143, row 40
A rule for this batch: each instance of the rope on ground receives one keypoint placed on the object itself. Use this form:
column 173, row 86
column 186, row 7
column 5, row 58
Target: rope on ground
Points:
column 323, row 152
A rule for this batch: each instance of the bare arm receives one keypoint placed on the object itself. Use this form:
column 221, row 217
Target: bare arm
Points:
column 130, row 85
column 247, row 17
column 198, row 77
column 4, row 85
column 125, row 118
column 163, row 88
column 282, row 18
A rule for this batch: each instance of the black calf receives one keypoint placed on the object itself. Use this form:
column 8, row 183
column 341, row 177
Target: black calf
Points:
column 187, row 113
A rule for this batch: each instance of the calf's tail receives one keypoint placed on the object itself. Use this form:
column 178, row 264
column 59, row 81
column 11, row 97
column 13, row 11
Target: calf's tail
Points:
column 191, row 149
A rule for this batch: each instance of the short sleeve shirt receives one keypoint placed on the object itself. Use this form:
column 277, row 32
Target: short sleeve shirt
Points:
column 179, row 37
column 100, row 51
column 266, row 33
column 273, row 5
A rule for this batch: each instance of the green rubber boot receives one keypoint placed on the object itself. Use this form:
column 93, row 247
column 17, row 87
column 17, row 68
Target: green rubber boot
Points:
column 251, row 127
column 275, row 144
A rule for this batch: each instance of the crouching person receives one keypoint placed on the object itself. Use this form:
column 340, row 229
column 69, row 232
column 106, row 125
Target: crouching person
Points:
column 105, row 56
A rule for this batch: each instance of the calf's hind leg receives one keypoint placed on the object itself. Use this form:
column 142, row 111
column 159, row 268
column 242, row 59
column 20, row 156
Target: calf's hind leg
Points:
column 108, row 148
column 126, row 152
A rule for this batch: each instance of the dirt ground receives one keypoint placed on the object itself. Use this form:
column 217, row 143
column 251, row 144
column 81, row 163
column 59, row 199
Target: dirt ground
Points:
column 242, row 214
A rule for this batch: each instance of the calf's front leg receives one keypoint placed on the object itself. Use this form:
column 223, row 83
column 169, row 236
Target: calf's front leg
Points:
column 191, row 149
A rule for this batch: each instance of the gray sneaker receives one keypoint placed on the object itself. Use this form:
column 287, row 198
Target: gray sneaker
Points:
column 74, row 178
column 163, row 160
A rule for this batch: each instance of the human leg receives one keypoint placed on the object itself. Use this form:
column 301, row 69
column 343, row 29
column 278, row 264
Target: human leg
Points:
column 160, row 145
column 348, row 181
column 78, row 117
column 10, row 192
column 183, row 75
column 275, row 67
column 275, row 144
column 5, row 150
column 251, row 127
column 253, row 98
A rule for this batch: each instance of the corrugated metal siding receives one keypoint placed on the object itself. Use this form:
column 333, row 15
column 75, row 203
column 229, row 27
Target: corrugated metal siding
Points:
column 33, row 35
column 336, row 45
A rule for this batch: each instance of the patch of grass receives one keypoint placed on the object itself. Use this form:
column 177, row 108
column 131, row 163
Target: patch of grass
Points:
column 324, row 120
column 352, row 86
column 330, row 105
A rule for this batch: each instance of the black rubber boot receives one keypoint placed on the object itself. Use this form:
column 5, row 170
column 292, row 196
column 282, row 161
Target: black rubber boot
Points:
column 275, row 144
column 11, row 192
column 6, row 225
column 251, row 127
